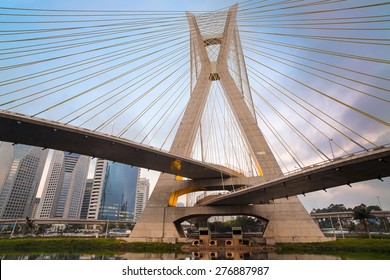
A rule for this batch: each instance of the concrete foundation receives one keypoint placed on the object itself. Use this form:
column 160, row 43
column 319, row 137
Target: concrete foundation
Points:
column 288, row 221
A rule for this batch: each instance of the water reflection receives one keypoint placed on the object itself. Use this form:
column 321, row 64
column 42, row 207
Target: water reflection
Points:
column 206, row 255
column 240, row 255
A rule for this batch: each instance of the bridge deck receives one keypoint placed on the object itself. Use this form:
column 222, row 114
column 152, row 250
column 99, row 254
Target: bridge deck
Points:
column 22, row 129
column 356, row 168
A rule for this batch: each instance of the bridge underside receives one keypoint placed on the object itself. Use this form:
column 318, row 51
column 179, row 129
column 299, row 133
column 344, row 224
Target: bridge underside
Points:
column 288, row 220
column 365, row 166
column 21, row 129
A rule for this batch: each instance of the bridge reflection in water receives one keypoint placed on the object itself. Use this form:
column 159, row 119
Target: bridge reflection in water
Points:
column 231, row 255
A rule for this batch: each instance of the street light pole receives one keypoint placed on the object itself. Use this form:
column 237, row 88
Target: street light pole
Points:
column 108, row 221
column 13, row 229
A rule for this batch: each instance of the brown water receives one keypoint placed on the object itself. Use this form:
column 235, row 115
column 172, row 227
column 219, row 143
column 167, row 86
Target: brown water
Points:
column 228, row 255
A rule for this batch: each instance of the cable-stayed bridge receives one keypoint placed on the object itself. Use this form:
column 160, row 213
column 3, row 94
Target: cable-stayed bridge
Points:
column 246, row 94
column 363, row 166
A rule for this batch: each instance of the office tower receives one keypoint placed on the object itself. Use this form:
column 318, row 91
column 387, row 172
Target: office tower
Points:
column 94, row 204
column 191, row 198
column 86, row 199
column 34, row 211
column 142, row 196
column 113, row 191
column 21, row 168
column 64, row 189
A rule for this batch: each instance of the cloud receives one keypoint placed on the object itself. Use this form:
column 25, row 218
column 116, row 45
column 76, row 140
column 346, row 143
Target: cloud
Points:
column 364, row 192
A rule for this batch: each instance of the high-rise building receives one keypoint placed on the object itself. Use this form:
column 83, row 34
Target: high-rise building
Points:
column 113, row 191
column 21, row 168
column 34, row 211
column 64, row 189
column 142, row 196
column 191, row 198
column 86, row 199
column 96, row 192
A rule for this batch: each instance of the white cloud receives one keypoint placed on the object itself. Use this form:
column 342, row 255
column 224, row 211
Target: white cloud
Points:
column 364, row 192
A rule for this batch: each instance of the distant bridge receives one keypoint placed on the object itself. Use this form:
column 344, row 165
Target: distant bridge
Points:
column 348, row 214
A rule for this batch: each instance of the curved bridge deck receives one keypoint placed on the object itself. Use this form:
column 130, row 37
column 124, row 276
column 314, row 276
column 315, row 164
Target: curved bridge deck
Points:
column 22, row 129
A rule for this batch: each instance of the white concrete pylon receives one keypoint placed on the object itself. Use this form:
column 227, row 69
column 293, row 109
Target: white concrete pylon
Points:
column 159, row 221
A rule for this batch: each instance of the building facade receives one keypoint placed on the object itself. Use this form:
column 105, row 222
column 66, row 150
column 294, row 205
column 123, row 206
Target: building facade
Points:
column 34, row 211
column 64, row 188
column 86, row 199
column 21, row 169
column 113, row 191
column 94, row 203
column 142, row 197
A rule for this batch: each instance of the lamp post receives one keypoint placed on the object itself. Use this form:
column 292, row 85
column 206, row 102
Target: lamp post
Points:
column 13, row 229
column 108, row 222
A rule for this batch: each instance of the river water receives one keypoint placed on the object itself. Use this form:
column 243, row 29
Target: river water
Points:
column 231, row 255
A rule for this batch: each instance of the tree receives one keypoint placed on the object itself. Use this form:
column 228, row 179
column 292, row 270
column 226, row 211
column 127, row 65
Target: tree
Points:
column 337, row 208
column 248, row 224
column 41, row 229
column 218, row 226
column 374, row 208
column 332, row 208
column 29, row 226
column 351, row 227
column 362, row 213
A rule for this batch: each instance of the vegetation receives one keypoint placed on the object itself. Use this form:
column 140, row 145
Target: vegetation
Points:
column 82, row 245
column 358, row 247
column 247, row 223
column 365, row 221
column 30, row 228
column 362, row 213
column 332, row 208
column 350, row 248
column 341, row 208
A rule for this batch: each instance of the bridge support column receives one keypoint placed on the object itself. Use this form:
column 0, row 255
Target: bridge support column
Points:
column 156, row 222
column 287, row 221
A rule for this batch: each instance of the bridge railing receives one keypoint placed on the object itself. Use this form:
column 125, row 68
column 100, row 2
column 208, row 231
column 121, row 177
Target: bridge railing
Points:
column 336, row 159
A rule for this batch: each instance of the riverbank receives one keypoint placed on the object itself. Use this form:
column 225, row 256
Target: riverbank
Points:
column 345, row 248
column 82, row 245
column 349, row 248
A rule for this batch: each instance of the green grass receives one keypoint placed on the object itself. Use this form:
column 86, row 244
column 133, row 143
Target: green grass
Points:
column 82, row 245
column 349, row 248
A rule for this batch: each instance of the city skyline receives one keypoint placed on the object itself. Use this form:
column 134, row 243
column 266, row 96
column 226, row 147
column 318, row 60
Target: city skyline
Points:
column 369, row 193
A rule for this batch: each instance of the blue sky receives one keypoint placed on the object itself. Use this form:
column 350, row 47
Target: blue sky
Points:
column 148, row 5
column 274, row 51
